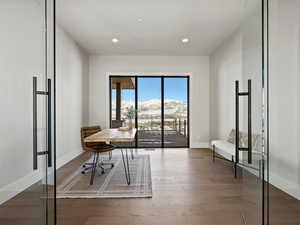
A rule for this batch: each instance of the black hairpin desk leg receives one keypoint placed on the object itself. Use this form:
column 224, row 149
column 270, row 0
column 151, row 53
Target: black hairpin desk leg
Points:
column 126, row 165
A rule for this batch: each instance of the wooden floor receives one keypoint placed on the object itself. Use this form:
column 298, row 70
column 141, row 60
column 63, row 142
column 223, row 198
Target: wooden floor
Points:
column 284, row 209
column 188, row 189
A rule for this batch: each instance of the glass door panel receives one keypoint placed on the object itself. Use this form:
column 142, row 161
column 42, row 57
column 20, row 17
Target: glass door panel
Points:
column 251, row 115
column 149, row 111
column 176, row 120
column 24, row 165
column 50, row 72
column 284, row 157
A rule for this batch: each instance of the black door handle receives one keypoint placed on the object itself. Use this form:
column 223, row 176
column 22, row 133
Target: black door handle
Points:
column 237, row 122
column 49, row 125
column 35, row 155
column 249, row 122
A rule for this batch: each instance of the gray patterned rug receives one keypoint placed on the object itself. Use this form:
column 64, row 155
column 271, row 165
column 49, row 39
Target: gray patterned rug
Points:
column 112, row 184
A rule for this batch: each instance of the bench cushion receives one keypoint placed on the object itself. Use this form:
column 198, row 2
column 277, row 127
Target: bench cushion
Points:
column 224, row 148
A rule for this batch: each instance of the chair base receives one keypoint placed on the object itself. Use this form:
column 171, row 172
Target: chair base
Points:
column 87, row 167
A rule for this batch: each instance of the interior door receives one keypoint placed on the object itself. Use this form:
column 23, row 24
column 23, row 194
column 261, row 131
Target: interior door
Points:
column 26, row 165
column 251, row 114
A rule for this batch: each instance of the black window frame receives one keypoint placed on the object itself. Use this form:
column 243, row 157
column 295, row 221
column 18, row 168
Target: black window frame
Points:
column 162, row 77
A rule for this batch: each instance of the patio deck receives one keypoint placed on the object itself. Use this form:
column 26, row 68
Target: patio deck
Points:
column 152, row 138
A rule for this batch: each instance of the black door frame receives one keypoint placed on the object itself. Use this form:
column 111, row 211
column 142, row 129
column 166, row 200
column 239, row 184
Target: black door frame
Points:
column 162, row 77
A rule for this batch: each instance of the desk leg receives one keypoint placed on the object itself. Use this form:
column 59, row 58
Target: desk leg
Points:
column 126, row 165
column 132, row 156
column 95, row 163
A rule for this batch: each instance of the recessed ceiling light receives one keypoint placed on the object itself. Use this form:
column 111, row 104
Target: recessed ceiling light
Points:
column 115, row 40
column 140, row 20
column 185, row 40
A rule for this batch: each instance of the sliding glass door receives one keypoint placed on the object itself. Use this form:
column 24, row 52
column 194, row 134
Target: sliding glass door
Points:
column 149, row 112
column 176, row 111
column 27, row 185
column 160, row 105
column 251, row 114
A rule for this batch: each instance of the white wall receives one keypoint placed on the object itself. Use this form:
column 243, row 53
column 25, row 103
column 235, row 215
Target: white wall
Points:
column 226, row 68
column 72, row 95
column 197, row 67
column 238, row 58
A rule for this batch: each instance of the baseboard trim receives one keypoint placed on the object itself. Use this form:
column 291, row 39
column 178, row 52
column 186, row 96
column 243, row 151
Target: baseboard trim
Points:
column 200, row 145
column 286, row 186
column 61, row 161
column 11, row 190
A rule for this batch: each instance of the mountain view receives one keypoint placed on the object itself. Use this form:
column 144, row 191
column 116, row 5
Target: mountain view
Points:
column 151, row 109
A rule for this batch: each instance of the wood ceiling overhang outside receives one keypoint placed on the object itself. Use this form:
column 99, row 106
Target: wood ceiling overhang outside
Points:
column 124, row 82
column 121, row 83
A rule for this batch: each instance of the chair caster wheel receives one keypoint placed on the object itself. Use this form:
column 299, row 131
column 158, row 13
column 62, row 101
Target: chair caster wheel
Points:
column 83, row 166
column 102, row 172
column 112, row 166
column 82, row 172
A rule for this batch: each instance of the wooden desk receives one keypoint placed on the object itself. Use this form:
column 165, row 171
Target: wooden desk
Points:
column 112, row 135
column 115, row 135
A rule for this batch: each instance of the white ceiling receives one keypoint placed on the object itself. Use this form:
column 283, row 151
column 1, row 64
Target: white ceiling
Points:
column 93, row 23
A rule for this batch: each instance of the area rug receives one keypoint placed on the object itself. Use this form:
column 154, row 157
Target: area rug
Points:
column 112, row 184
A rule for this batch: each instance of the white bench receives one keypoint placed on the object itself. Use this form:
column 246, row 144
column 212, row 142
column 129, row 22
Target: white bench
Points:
column 226, row 150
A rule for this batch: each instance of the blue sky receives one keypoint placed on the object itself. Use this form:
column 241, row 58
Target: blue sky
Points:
column 150, row 88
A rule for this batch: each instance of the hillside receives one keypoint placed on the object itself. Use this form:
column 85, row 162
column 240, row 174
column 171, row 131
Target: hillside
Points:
column 152, row 108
